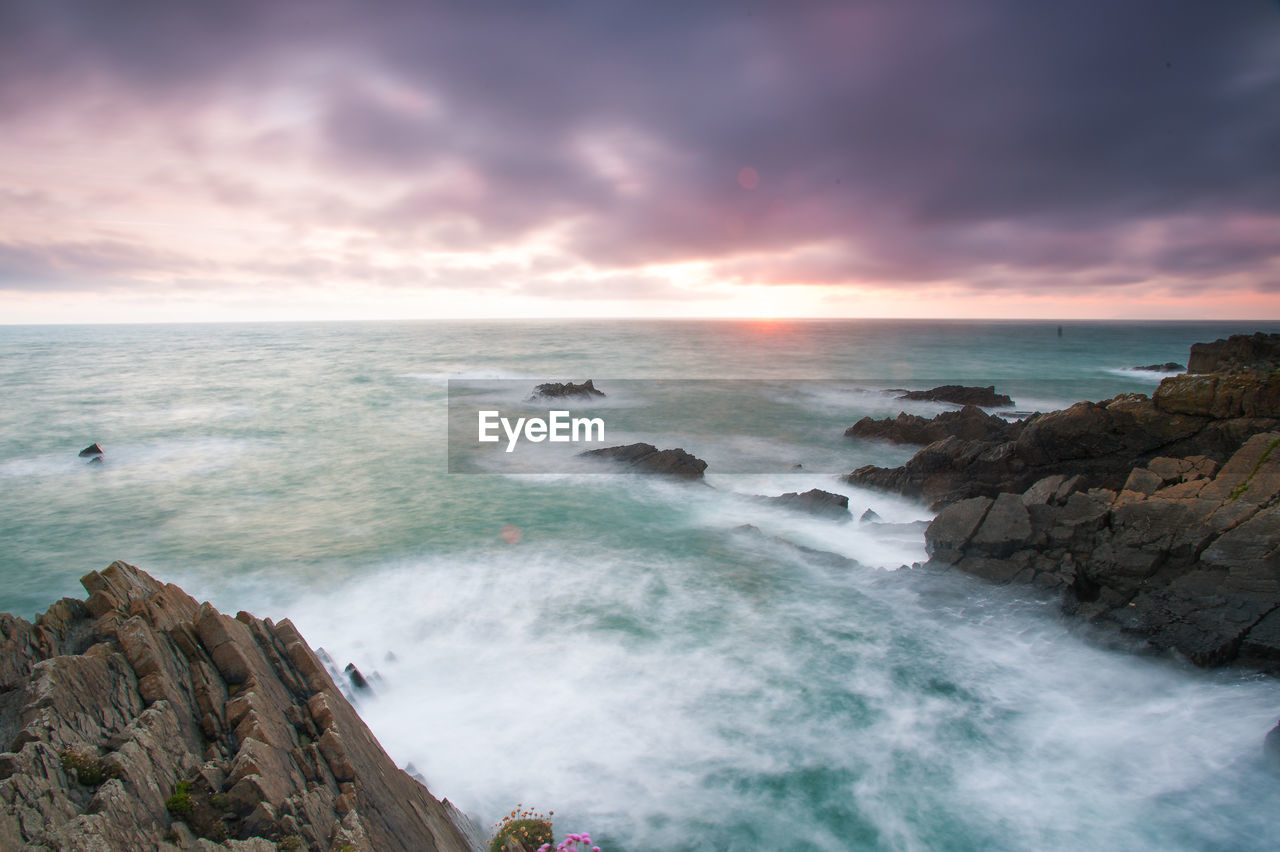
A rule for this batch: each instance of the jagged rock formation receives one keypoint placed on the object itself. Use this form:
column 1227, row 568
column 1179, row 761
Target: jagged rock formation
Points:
column 91, row 451
column 1185, row 556
column 969, row 423
column 1103, row 441
column 1237, row 352
column 140, row 719
column 566, row 390
column 815, row 501
column 1157, row 516
column 646, row 458
column 961, row 395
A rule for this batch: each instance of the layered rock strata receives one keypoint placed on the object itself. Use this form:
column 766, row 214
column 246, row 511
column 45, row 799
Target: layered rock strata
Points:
column 1185, row 556
column 141, row 719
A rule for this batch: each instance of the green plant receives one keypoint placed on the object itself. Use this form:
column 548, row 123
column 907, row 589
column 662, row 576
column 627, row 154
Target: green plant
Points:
column 87, row 768
column 289, row 843
column 219, row 801
column 180, row 804
column 524, row 825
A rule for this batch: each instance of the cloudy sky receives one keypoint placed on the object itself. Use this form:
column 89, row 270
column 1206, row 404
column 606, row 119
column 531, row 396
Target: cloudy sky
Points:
column 243, row 159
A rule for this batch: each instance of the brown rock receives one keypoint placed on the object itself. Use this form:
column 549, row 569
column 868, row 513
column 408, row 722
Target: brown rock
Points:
column 139, row 683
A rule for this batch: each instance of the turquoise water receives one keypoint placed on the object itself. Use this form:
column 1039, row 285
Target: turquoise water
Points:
column 636, row 661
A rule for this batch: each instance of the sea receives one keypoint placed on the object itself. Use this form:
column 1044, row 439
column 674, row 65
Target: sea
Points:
column 667, row 665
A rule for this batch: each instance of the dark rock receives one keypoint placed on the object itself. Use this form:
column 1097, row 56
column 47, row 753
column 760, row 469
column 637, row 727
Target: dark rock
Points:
column 814, row 501
column 91, row 450
column 961, row 395
column 869, row 516
column 1005, row 529
column 1271, row 746
column 174, row 711
column 566, row 390
column 969, row 423
column 1102, row 442
column 950, row 532
column 1167, row 367
column 1237, row 352
column 358, row 681
column 646, row 458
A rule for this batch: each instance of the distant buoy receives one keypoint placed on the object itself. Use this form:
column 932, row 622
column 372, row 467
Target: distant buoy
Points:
column 1059, row 331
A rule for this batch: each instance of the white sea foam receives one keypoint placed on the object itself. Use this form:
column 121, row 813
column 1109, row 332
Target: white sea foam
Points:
column 638, row 697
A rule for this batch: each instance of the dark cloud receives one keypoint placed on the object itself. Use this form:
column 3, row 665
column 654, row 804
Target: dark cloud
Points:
column 893, row 141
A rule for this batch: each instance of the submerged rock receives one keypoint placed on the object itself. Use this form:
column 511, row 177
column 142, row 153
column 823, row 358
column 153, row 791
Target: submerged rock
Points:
column 1166, row 367
column 141, row 719
column 962, row 395
column 92, row 451
column 566, row 390
column 646, row 458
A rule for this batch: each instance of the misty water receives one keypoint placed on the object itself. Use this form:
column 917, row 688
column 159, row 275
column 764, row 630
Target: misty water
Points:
column 665, row 665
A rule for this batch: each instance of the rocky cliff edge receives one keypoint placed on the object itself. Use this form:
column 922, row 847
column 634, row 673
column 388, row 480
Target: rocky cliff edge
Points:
column 140, row 719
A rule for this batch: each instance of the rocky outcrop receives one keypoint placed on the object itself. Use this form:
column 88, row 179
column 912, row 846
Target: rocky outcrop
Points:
column 141, row 719
column 1184, row 556
column 1166, row 367
column 815, row 501
column 91, row 452
column 1238, row 352
column 1158, row 517
column 969, row 424
column 646, row 458
column 566, row 390
column 961, row 395
column 1100, row 441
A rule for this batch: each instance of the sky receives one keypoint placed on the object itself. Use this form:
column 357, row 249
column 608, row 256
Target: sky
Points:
column 318, row 159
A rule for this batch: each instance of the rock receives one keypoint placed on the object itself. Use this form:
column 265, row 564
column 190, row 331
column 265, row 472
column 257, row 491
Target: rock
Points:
column 1005, row 529
column 1271, row 746
column 969, row 423
column 1167, row 367
column 950, row 532
column 869, row 516
column 92, row 451
column 1239, row 351
column 646, row 458
column 961, row 395
column 139, row 719
column 816, row 502
column 358, row 681
column 1190, row 570
column 1221, row 395
column 566, row 390
column 1101, row 442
